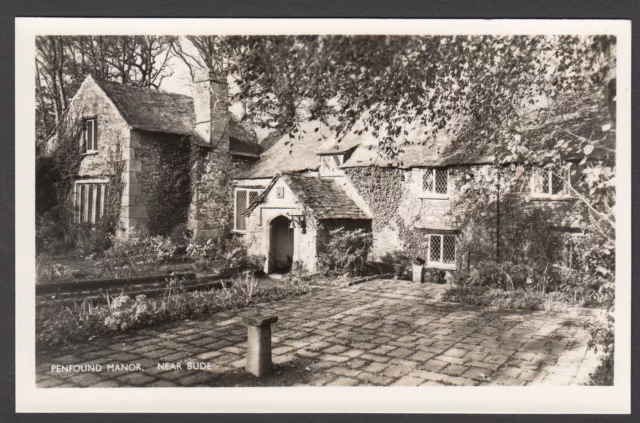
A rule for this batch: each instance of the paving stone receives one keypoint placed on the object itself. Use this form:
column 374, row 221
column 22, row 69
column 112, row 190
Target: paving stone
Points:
column 135, row 379
column 374, row 379
column 158, row 353
column 281, row 359
column 458, row 381
column 49, row 383
column 197, row 378
column 495, row 359
column 335, row 349
column 432, row 383
column 351, row 353
column 355, row 363
column 454, row 370
column 343, row 381
column 107, row 384
column 400, row 353
column 405, row 363
column 455, row 352
column 408, row 380
column 375, row 367
column 396, row 371
column 508, row 381
column 421, row 356
column 476, row 355
column 433, row 365
column 452, row 360
column 209, row 355
column 85, row 379
column 306, row 353
column 321, row 379
column 477, row 373
column 374, row 357
column 483, row 365
column 344, row 371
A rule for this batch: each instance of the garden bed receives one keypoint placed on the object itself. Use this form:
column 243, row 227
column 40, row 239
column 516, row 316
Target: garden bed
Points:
column 61, row 324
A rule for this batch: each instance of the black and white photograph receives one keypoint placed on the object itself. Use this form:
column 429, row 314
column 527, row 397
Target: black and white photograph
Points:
column 259, row 210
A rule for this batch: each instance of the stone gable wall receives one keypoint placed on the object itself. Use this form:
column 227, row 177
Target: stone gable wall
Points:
column 256, row 236
column 113, row 131
column 113, row 144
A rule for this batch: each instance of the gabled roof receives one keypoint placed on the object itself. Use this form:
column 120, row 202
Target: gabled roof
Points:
column 152, row 110
column 324, row 197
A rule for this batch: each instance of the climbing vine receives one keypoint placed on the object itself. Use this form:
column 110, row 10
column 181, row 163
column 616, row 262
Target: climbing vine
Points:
column 166, row 181
column 383, row 190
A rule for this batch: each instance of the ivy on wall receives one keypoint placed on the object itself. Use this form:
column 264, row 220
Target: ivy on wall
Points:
column 383, row 190
column 167, row 183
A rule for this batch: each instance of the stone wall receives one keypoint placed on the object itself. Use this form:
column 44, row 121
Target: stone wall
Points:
column 159, row 189
column 211, row 209
column 402, row 216
column 257, row 234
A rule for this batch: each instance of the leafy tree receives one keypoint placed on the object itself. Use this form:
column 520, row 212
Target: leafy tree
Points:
column 62, row 63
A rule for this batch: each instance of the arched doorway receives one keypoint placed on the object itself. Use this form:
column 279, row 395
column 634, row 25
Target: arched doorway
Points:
column 280, row 245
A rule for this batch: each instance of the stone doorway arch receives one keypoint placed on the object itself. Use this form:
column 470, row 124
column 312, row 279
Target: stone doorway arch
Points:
column 281, row 244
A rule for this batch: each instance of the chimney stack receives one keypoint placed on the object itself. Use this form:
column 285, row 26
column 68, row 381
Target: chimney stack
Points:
column 211, row 215
column 211, row 104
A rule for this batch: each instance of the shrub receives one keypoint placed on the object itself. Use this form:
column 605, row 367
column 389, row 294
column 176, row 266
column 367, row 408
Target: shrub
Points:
column 602, row 339
column 346, row 252
column 434, row 276
column 221, row 253
column 149, row 249
column 397, row 263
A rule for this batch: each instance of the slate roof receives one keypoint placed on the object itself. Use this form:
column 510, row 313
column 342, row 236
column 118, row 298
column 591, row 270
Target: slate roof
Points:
column 289, row 154
column 158, row 111
column 324, row 197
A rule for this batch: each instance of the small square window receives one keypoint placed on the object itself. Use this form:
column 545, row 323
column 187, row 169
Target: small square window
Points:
column 243, row 199
column 280, row 192
column 550, row 183
column 435, row 181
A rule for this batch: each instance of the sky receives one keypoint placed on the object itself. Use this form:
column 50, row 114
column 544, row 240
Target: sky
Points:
column 180, row 82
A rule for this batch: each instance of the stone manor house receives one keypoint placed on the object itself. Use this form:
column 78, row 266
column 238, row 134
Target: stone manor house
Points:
column 282, row 196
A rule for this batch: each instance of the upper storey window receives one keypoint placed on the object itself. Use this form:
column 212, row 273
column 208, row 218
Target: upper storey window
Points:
column 90, row 135
column 547, row 183
column 435, row 182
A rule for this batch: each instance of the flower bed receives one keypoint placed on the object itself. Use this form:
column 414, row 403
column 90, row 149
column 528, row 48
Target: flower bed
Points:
column 59, row 324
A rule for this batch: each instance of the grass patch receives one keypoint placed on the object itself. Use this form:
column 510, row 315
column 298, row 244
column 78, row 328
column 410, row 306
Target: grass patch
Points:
column 59, row 325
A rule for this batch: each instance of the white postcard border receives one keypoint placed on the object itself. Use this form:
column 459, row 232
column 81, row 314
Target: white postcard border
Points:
column 534, row 399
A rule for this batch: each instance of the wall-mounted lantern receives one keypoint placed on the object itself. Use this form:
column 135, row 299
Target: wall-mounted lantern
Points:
column 298, row 221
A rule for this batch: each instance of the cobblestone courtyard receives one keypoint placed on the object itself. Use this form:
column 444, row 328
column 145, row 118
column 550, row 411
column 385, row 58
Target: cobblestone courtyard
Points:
column 379, row 333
